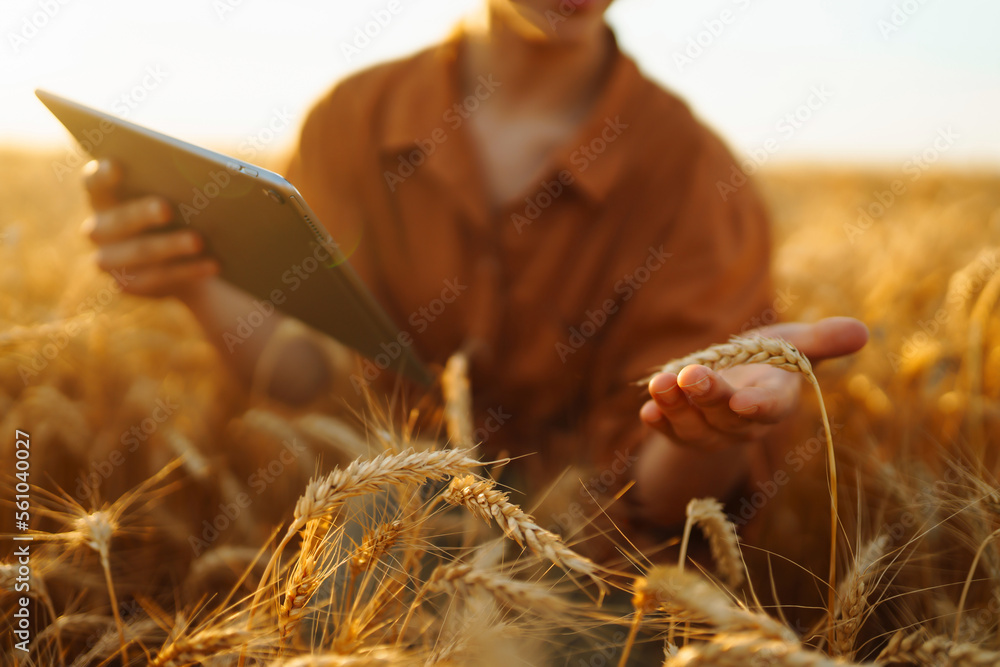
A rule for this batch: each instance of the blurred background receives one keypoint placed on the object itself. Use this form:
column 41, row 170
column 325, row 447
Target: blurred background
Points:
column 894, row 72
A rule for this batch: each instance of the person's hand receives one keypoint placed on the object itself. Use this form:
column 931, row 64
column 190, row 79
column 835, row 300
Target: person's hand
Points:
column 704, row 408
column 131, row 243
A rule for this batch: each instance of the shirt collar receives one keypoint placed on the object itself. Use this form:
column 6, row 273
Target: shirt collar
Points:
column 596, row 155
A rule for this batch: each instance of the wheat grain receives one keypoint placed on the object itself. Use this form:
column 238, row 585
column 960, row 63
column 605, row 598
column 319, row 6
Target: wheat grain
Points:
column 707, row 514
column 482, row 498
column 520, row 595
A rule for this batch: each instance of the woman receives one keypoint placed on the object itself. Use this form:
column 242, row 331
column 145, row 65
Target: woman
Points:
column 571, row 207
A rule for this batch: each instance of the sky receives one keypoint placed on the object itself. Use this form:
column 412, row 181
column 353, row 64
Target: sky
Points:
column 833, row 81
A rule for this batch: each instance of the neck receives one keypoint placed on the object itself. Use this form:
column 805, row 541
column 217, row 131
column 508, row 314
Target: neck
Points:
column 539, row 73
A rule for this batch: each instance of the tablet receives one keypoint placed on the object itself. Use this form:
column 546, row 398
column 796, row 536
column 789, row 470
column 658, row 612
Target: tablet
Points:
column 263, row 233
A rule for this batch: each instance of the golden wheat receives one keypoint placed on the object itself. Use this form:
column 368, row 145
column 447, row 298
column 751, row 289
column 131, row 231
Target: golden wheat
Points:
column 458, row 402
column 689, row 597
column 911, row 402
column 520, row 595
column 203, row 644
column 302, row 581
column 374, row 545
column 482, row 498
column 853, row 596
column 918, row 649
column 325, row 494
column 378, row 658
column 748, row 649
column 707, row 514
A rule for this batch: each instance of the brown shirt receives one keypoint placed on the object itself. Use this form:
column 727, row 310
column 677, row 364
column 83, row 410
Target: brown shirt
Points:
column 627, row 254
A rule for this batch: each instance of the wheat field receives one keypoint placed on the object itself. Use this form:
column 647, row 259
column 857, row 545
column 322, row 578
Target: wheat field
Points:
column 179, row 519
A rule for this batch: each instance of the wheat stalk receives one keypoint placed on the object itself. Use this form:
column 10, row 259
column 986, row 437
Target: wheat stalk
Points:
column 482, row 498
column 458, row 401
column 203, row 644
column 524, row 596
column 781, row 354
column 96, row 530
column 707, row 514
column 917, row 649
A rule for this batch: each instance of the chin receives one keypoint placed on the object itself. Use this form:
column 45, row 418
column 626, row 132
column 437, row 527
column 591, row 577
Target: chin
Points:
column 567, row 21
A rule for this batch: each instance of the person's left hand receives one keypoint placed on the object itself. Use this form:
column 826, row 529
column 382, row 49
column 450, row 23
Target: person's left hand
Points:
column 715, row 410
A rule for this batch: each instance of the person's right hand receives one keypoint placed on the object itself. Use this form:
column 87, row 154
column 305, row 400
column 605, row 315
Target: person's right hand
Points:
column 133, row 246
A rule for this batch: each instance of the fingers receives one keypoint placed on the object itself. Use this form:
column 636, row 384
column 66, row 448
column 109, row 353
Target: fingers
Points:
column 157, row 264
column 710, row 394
column 694, row 408
column 101, row 179
column 150, row 249
column 146, row 264
column 127, row 220
column 702, row 407
column 167, row 279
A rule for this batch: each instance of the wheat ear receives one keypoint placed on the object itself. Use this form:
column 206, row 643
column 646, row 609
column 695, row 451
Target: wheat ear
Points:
column 520, row 595
column 707, row 514
column 742, row 649
column 781, row 354
column 483, row 499
column 689, row 596
column 324, row 495
column 374, row 545
column 379, row 658
column 204, row 644
column 853, row 596
column 919, row 650
column 302, row 582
